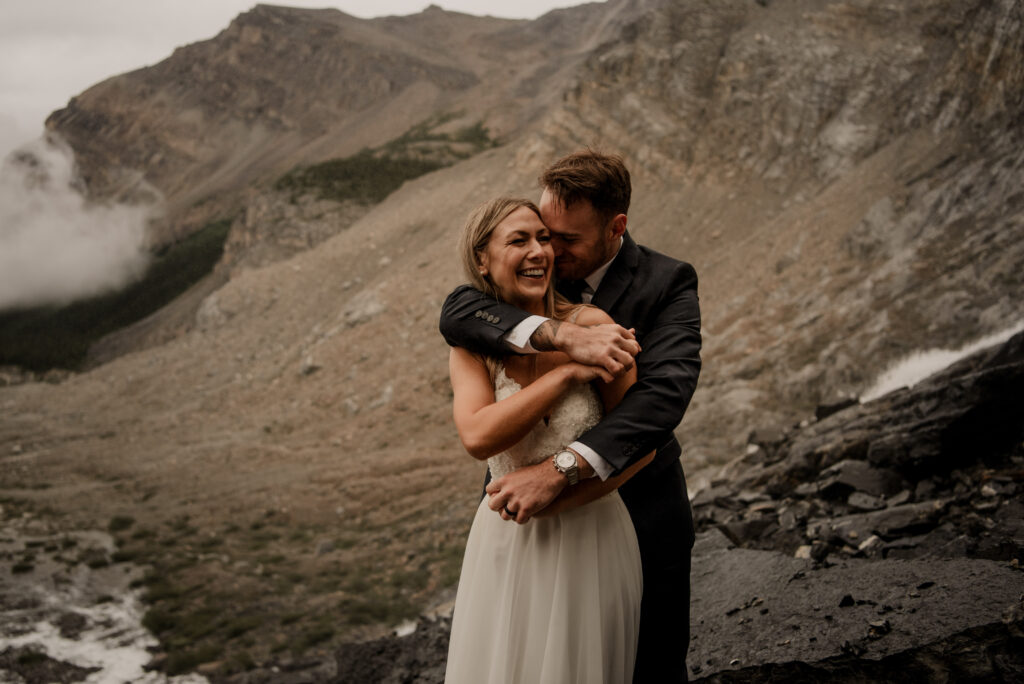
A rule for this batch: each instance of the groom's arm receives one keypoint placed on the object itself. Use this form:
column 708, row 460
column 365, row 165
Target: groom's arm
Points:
column 484, row 325
column 478, row 323
column 667, row 372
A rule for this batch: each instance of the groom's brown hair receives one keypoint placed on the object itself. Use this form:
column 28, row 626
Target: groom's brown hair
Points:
column 601, row 179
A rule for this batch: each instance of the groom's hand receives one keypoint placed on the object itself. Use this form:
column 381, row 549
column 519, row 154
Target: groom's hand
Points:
column 608, row 345
column 525, row 491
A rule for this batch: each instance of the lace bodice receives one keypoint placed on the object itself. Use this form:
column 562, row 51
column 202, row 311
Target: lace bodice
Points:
column 578, row 410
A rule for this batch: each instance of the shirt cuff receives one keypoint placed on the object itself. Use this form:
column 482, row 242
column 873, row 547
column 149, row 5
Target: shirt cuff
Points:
column 518, row 338
column 600, row 466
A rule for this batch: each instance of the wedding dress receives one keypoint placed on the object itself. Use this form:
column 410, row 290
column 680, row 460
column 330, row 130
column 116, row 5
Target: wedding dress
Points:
column 557, row 600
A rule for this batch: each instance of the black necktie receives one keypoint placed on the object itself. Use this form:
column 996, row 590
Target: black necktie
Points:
column 572, row 290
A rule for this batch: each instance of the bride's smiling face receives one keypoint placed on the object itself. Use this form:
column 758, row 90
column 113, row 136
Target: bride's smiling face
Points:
column 519, row 259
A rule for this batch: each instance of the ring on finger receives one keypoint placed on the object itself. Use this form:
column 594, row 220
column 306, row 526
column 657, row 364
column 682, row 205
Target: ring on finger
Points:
column 511, row 514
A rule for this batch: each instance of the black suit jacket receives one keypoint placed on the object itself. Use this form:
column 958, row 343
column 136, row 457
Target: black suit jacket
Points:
column 656, row 295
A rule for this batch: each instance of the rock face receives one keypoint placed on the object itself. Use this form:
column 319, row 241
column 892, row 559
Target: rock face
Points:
column 839, row 229
column 888, row 539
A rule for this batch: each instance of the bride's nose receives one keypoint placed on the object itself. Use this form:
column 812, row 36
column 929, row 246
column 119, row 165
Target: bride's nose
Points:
column 536, row 249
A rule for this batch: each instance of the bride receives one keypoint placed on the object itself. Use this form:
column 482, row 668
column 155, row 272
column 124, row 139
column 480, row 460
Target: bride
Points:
column 557, row 599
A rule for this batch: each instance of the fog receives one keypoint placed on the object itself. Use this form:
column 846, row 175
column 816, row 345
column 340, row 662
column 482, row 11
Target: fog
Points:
column 55, row 246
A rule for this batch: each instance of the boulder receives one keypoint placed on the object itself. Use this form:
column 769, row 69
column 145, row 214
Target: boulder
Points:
column 847, row 476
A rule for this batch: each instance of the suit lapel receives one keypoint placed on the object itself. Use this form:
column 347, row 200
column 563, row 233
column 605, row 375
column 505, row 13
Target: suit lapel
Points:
column 619, row 275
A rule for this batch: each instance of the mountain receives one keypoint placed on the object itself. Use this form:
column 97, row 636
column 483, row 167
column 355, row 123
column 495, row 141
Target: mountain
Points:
column 844, row 175
column 283, row 86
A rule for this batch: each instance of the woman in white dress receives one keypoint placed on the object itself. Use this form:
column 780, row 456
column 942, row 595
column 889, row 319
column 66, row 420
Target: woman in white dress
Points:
column 555, row 600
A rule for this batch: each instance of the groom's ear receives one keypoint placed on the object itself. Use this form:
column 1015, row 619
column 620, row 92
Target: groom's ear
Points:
column 618, row 226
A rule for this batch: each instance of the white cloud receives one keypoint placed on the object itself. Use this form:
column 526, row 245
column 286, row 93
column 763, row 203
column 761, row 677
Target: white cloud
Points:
column 55, row 246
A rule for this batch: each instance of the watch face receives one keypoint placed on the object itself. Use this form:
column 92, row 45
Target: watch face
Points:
column 565, row 459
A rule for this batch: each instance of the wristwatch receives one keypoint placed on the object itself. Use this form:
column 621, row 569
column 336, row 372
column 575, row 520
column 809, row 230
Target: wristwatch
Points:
column 565, row 463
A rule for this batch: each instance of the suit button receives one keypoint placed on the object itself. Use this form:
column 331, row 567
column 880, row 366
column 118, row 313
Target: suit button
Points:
column 497, row 319
column 479, row 313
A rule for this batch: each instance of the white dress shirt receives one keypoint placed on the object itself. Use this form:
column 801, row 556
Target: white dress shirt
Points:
column 518, row 338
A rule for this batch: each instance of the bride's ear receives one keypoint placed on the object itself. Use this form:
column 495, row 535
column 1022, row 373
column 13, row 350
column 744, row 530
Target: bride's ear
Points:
column 481, row 263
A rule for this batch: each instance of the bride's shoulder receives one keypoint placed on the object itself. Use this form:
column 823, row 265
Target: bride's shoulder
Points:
column 460, row 359
column 588, row 314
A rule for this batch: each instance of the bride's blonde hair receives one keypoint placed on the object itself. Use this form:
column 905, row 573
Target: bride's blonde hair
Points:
column 476, row 233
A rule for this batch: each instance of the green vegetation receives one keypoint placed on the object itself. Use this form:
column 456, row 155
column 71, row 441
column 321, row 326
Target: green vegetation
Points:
column 318, row 633
column 186, row 660
column 375, row 608
column 120, row 522
column 267, row 593
column 32, row 658
column 372, row 174
column 363, row 177
column 473, row 139
column 59, row 337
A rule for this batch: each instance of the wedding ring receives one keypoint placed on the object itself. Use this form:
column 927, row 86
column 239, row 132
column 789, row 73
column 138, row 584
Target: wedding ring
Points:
column 511, row 514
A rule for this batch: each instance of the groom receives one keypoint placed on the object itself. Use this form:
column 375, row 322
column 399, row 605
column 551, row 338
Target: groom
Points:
column 584, row 203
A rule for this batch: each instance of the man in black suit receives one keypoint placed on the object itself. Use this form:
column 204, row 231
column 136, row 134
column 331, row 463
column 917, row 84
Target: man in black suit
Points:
column 584, row 203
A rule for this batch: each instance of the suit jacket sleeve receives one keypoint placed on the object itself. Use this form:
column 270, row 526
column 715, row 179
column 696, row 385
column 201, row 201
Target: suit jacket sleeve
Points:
column 477, row 322
column 667, row 371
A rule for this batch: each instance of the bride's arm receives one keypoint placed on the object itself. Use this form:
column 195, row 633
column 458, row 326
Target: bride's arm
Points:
column 487, row 427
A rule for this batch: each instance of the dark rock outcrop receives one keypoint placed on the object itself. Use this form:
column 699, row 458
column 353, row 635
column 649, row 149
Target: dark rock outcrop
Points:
column 888, row 540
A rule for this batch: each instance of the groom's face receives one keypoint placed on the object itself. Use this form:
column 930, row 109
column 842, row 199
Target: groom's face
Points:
column 582, row 240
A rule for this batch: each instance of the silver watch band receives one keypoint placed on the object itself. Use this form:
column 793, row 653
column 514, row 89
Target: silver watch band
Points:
column 567, row 462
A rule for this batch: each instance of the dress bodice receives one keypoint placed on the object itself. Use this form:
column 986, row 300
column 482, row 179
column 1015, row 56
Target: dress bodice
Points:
column 578, row 410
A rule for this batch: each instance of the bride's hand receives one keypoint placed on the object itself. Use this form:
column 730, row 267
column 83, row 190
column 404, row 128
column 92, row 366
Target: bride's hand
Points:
column 581, row 373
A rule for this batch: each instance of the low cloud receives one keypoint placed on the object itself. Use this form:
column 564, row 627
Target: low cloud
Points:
column 56, row 246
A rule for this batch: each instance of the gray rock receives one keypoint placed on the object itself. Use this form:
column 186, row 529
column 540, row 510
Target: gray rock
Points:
column 767, row 438
column 858, row 476
column 899, row 499
column 800, row 626
column 865, row 502
column 712, row 540
column 826, row 409
column 887, row 523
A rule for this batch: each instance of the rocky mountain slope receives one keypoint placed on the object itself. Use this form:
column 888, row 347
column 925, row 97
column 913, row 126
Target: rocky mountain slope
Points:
column 283, row 86
column 845, row 176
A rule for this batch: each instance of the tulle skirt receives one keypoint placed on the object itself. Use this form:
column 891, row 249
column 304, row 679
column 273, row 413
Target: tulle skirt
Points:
column 554, row 601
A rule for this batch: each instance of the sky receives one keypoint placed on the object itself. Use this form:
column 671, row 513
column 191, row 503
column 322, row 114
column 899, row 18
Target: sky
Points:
column 51, row 50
